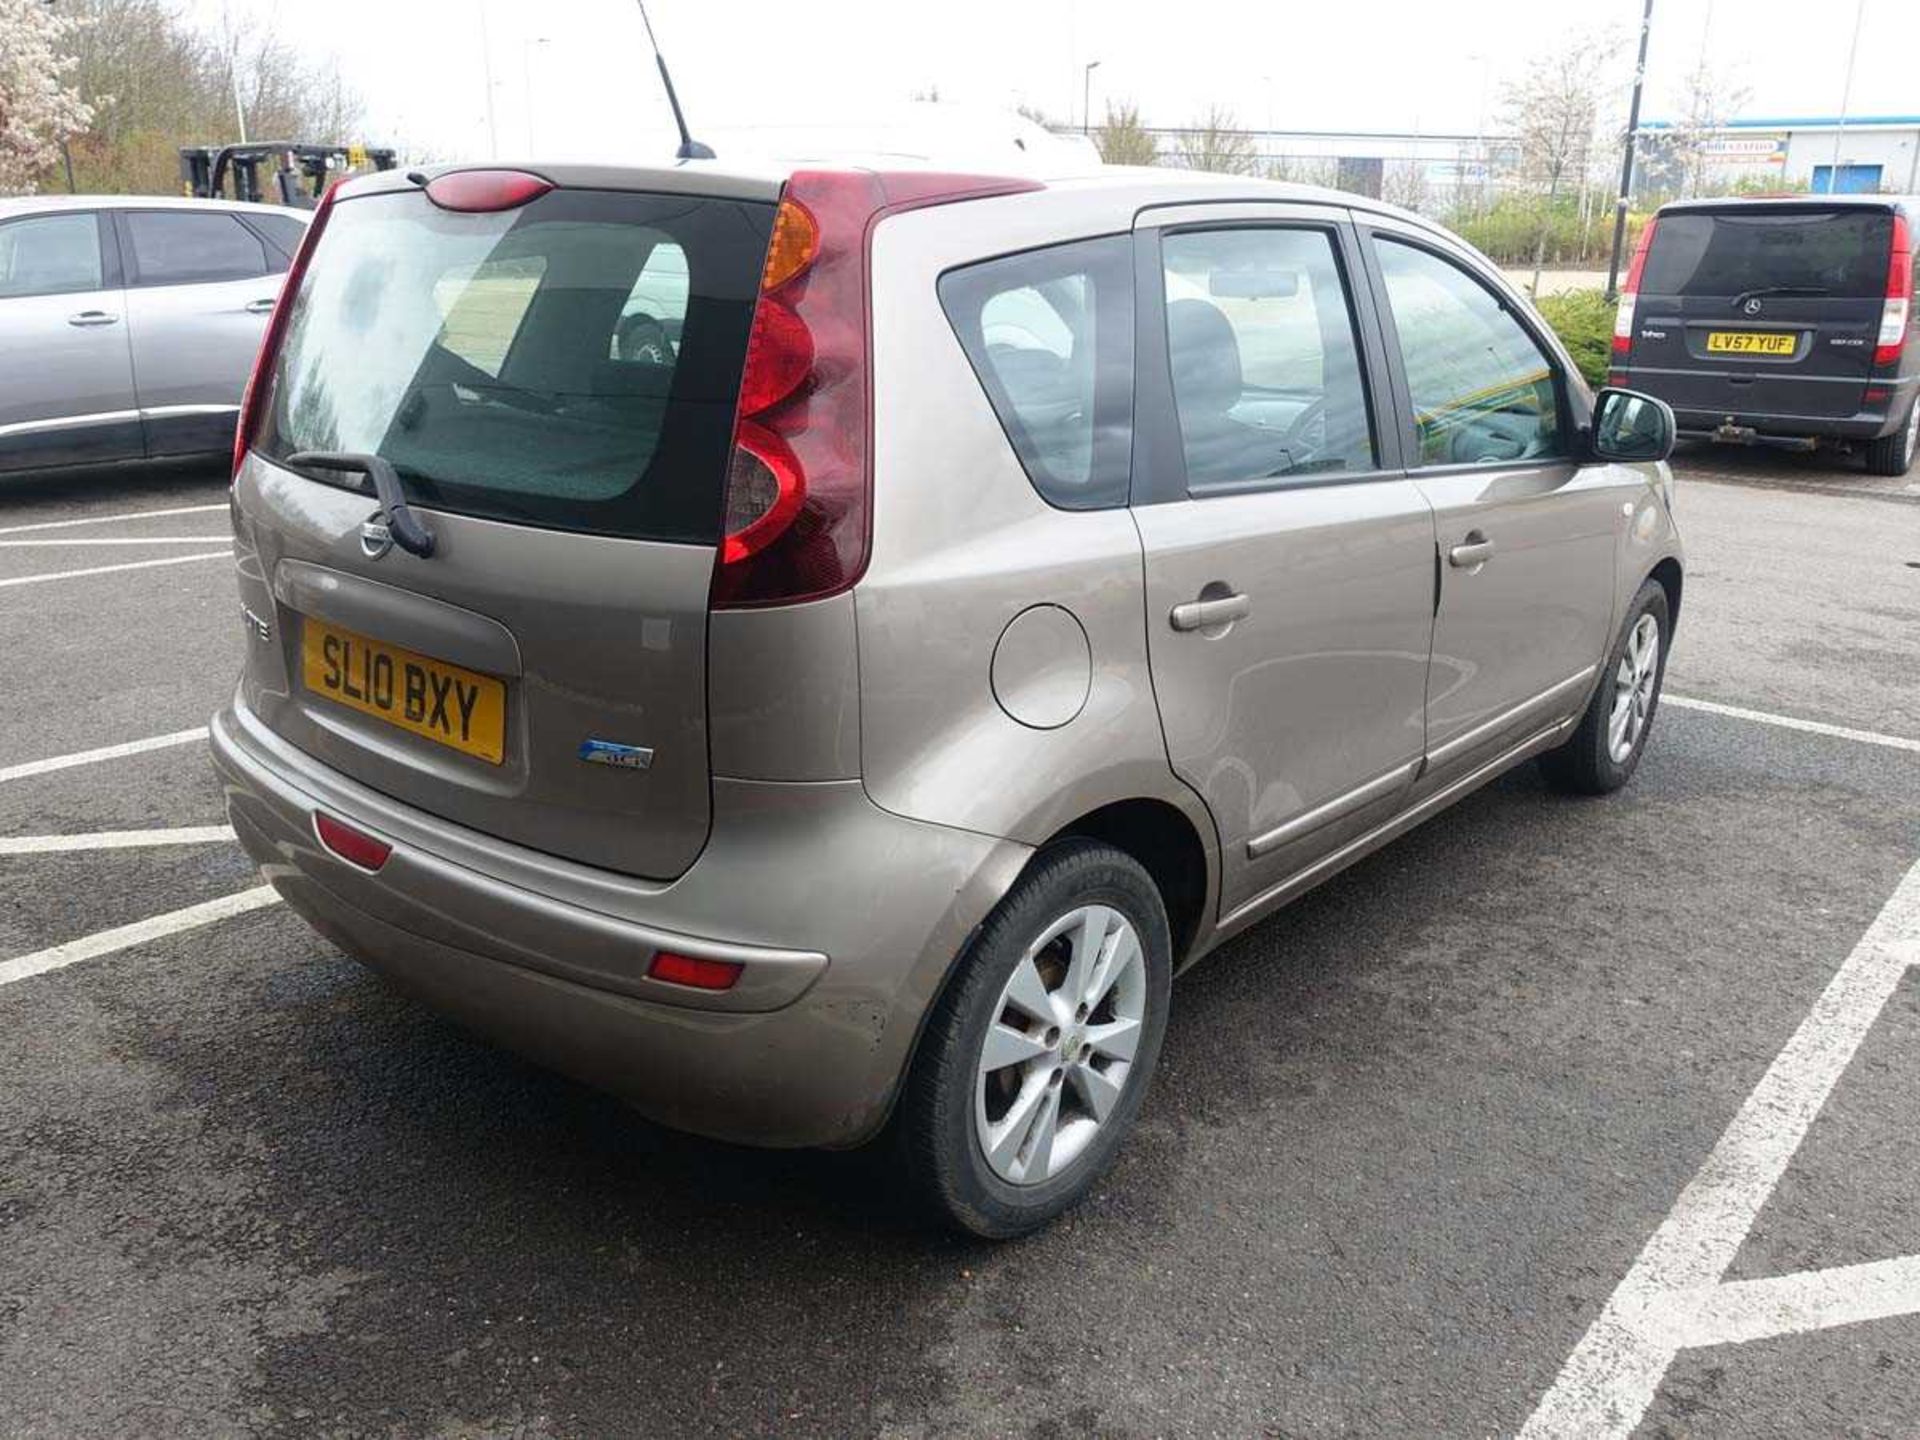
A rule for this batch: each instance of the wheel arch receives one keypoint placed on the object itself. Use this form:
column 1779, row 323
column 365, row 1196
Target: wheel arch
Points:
column 1669, row 576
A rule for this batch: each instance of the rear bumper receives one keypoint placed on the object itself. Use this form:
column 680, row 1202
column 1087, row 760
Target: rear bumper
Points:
column 845, row 917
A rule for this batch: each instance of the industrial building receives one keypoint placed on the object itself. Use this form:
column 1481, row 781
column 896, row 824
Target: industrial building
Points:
column 1857, row 155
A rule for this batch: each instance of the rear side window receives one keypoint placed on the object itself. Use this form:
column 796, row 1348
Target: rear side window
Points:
column 480, row 354
column 1050, row 336
column 284, row 234
column 50, row 255
column 1818, row 252
column 1266, row 370
column 184, row 248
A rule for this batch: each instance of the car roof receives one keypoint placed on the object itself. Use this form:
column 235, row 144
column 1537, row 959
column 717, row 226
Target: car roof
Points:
column 53, row 204
column 1143, row 186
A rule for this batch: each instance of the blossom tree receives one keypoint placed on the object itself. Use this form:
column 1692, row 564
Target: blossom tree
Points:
column 38, row 109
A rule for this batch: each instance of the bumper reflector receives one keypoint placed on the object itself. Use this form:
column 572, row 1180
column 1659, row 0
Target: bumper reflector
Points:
column 692, row 971
column 356, row 847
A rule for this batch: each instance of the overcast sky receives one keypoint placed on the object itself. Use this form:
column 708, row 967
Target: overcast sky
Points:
column 573, row 78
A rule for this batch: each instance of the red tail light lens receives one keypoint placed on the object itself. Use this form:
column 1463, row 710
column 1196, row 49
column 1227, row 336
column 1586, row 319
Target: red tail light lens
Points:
column 479, row 192
column 1897, row 312
column 694, row 971
column 354, row 846
column 798, row 515
column 255, row 395
column 1623, row 317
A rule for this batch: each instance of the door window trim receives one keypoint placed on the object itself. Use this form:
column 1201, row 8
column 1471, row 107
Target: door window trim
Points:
column 1574, row 407
column 110, row 270
column 1159, row 449
column 131, row 266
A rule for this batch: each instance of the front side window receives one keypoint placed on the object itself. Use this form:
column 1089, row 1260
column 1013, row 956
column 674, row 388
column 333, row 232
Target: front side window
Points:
column 187, row 248
column 1266, row 370
column 1483, row 391
column 1050, row 336
column 50, row 255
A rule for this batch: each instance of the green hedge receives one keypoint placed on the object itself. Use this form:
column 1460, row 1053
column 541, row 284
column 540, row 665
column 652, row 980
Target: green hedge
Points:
column 1583, row 319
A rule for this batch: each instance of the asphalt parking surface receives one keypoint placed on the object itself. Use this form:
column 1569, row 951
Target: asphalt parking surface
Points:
column 1407, row 1139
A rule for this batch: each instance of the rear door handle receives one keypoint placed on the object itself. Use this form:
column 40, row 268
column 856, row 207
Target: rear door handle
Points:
column 93, row 317
column 1205, row 614
column 260, row 307
column 1475, row 550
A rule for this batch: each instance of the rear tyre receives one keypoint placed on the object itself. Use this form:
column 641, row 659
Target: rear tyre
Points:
column 643, row 338
column 1037, row 1056
column 1605, row 749
column 1894, row 454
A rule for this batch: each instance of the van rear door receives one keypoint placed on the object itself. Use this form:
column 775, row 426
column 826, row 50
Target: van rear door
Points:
column 1761, row 311
column 540, row 675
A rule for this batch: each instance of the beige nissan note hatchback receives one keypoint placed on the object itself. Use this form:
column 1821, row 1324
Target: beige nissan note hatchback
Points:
column 847, row 714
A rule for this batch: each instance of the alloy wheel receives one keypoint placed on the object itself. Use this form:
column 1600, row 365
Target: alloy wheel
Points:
column 1059, row 1050
column 1633, row 684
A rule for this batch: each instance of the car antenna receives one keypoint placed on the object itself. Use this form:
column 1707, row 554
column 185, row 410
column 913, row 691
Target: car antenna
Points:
column 690, row 148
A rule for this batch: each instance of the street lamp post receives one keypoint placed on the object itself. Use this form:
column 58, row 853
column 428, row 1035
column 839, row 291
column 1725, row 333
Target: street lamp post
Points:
column 1626, row 165
column 1086, row 93
column 1846, row 98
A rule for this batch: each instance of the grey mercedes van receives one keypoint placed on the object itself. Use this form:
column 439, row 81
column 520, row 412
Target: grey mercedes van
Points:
column 1779, row 321
column 845, row 721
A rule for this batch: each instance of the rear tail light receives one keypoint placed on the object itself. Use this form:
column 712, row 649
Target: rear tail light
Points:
column 694, row 971
column 354, row 846
column 1623, row 317
column 254, row 397
column 798, row 514
column 1897, row 310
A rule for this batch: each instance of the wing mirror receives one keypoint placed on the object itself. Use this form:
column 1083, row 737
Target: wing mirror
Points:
column 1631, row 427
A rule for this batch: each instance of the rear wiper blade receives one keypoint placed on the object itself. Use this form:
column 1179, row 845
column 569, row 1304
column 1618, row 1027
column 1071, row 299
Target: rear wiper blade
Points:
column 409, row 533
column 1759, row 290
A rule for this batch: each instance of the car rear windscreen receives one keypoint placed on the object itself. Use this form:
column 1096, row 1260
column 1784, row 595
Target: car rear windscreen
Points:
column 572, row 364
column 1809, row 252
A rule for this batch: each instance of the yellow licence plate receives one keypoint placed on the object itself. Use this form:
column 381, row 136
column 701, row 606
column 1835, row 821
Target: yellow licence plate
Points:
column 1750, row 342
column 459, row 708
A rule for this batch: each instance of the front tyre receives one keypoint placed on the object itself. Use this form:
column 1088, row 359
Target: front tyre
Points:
column 1605, row 749
column 1036, row 1058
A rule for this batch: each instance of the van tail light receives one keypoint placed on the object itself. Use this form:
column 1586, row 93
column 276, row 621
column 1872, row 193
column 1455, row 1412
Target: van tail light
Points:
column 254, row 398
column 1623, row 317
column 1898, row 309
column 798, row 510
column 350, row 843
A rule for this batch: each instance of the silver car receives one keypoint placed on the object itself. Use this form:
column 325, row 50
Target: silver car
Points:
column 846, row 722
column 128, row 324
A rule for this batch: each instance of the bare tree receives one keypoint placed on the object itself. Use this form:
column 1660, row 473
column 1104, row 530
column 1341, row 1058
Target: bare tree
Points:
column 1552, row 114
column 1707, row 96
column 156, row 83
column 38, row 107
column 1216, row 142
column 1123, row 140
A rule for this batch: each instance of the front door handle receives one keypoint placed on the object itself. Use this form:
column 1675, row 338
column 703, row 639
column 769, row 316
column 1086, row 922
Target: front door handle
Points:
column 1205, row 614
column 260, row 307
column 93, row 317
column 1475, row 550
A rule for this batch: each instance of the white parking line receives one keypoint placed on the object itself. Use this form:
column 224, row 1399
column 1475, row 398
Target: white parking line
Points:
column 105, row 752
column 110, row 569
column 123, row 937
column 1673, row 1297
column 113, row 840
column 1789, row 722
column 119, row 540
column 109, row 519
